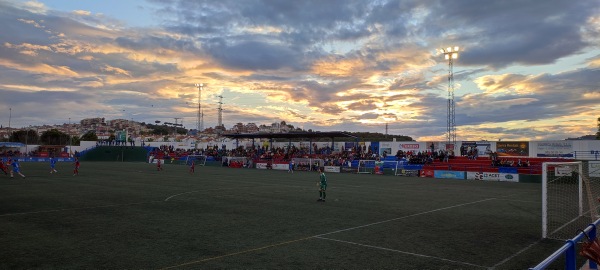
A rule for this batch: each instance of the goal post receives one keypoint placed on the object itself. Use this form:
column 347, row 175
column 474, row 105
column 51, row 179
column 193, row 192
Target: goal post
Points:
column 308, row 164
column 199, row 160
column 393, row 165
column 377, row 167
column 238, row 162
column 366, row 166
column 569, row 199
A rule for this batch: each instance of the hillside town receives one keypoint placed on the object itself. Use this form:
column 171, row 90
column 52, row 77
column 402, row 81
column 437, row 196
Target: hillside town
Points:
column 140, row 131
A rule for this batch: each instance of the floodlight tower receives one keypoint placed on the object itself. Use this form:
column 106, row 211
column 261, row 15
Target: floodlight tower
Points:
column 451, row 54
column 200, row 120
column 220, row 109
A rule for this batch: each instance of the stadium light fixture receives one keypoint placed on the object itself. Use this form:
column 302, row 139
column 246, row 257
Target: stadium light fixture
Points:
column 450, row 54
column 200, row 116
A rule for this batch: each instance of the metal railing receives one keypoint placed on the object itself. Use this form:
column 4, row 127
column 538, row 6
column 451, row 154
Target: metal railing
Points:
column 587, row 155
column 569, row 249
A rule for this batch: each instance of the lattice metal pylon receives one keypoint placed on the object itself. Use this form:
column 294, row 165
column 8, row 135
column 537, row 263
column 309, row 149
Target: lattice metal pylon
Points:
column 200, row 116
column 450, row 54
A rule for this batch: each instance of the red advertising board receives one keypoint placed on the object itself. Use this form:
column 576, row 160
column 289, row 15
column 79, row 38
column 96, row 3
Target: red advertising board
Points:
column 427, row 173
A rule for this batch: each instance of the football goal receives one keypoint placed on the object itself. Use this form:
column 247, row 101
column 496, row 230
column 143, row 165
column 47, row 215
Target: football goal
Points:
column 238, row 162
column 377, row 167
column 308, row 164
column 570, row 195
column 200, row 160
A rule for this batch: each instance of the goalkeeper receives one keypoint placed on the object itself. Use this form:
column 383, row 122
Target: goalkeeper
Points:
column 322, row 186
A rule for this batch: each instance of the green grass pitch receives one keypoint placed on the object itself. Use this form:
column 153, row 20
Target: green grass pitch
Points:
column 130, row 216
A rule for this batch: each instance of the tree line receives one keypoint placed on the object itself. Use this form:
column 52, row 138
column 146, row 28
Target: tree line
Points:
column 49, row 137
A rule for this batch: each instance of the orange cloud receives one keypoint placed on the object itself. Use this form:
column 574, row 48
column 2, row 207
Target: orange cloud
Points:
column 506, row 84
column 115, row 70
column 332, row 67
column 40, row 68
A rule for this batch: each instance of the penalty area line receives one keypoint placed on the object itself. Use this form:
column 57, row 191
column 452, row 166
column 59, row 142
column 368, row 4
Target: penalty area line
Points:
column 403, row 252
column 404, row 217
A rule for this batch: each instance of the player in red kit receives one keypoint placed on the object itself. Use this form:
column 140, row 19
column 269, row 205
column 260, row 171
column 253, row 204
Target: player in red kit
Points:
column 192, row 166
column 76, row 169
column 158, row 165
column 3, row 167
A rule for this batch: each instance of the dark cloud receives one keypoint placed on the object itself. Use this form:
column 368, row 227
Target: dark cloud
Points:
column 254, row 55
column 502, row 33
column 555, row 95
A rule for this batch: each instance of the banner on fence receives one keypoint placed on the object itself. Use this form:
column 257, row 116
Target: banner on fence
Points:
column 262, row 166
column 427, row 173
column 449, row 174
column 332, row 169
column 594, row 168
column 519, row 149
column 486, row 176
column 43, row 159
column 281, row 167
column 563, row 171
column 555, row 149
column 415, row 147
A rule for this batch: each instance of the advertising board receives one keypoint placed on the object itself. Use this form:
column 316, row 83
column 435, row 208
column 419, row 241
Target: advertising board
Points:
column 449, row 174
column 332, row 169
column 487, row 176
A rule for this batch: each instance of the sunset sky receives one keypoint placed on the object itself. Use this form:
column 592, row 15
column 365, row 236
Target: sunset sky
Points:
column 527, row 70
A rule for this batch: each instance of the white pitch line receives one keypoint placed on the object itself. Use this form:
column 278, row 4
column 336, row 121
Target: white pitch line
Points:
column 200, row 190
column 403, row 217
column 515, row 255
column 403, row 252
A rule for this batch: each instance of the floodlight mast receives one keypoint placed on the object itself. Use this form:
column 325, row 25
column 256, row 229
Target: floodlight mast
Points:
column 450, row 54
column 200, row 120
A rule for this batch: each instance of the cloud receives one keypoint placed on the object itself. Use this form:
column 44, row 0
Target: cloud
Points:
column 341, row 66
column 253, row 55
column 82, row 12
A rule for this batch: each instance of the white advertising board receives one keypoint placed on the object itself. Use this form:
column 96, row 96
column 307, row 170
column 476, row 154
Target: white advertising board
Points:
column 594, row 168
column 489, row 176
column 332, row 169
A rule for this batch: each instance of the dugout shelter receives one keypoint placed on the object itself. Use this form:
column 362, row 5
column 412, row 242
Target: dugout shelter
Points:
column 9, row 147
column 310, row 136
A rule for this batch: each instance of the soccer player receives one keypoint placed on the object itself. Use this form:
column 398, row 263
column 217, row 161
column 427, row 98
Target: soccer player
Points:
column 291, row 168
column 322, row 186
column 158, row 165
column 3, row 167
column 53, row 165
column 192, row 166
column 16, row 168
column 76, row 169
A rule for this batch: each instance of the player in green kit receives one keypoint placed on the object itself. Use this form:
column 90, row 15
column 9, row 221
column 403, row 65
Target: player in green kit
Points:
column 322, row 186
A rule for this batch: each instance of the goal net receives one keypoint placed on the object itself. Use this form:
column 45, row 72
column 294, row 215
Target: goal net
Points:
column 377, row 167
column 570, row 193
column 308, row 164
column 238, row 162
column 199, row 160
column 366, row 166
